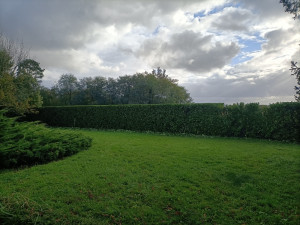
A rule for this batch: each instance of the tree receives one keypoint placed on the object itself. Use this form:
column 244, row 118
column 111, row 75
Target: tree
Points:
column 296, row 72
column 151, row 88
column 7, row 85
column 112, row 91
column 5, row 62
column 19, row 78
column 91, row 91
column 160, row 73
column 66, row 86
column 141, row 88
column 29, row 66
column 293, row 7
column 19, row 91
column 50, row 96
column 15, row 50
column 28, row 78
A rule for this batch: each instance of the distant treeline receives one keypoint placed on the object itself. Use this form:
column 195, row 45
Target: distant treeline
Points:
column 141, row 88
column 21, row 90
column 280, row 121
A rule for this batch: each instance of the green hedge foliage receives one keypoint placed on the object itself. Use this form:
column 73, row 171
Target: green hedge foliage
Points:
column 29, row 143
column 278, row 121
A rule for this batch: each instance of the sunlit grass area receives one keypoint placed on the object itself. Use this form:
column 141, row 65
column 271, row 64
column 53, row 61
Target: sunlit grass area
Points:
column 138, row 178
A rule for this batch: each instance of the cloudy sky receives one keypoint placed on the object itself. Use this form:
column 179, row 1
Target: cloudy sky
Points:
column 220, row 50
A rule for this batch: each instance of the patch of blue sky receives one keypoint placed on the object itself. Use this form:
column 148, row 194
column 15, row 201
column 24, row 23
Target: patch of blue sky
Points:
column 251, row 45
column 217, row 9
column 247, row 46
column 240, row 58
column 156, row 30
column 199, row 14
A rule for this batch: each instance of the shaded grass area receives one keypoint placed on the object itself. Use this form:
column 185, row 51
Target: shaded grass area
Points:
column 134, row 178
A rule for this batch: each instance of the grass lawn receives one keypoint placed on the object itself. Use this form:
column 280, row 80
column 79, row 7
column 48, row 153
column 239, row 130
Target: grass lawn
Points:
column 135, row 178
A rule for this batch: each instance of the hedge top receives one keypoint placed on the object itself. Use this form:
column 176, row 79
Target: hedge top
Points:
column 278, row 121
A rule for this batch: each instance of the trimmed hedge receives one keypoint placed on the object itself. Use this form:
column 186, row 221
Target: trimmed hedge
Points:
column 31, row 143
column 278, row 121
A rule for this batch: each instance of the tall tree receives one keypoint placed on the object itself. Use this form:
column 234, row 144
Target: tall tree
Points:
column 7, row 85
column 6, row 62
column 50, row 96
column 296, row 72
column 293, row 7
column 28, row 79
column 140, row 88
column 19, row 79
column 151, row 88
column 67, row 86
column 15, row 50
column 112, row 91
column 91, row 91
column 29, row 66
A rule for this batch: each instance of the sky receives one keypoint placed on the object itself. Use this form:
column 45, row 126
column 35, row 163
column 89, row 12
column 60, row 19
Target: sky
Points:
column 224, row 51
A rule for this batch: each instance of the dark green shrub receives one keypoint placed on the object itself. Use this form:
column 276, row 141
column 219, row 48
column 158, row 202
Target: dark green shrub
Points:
column 243, row 120
column 282, row 121
column 30, row 143
column 277, row 121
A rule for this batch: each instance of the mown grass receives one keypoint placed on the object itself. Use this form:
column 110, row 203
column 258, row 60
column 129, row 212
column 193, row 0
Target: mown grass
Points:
column 135, row 178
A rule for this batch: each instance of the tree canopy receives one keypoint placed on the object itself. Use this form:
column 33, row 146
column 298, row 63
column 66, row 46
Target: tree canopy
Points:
column 292, row 6
column 19, row 78
column 21, row 90
column 296, row 72
column 140, row 88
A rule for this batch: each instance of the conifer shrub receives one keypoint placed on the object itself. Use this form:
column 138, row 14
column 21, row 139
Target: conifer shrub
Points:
column 280, row 121
column 30, row 143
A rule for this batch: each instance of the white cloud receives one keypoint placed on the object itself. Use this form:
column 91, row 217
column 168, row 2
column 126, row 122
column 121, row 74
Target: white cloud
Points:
column 194, row 40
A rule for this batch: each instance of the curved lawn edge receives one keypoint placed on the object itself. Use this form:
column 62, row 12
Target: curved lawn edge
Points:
column 134, row 178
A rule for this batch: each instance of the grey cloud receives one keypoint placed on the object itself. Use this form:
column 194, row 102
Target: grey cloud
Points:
column 55, row 59
column 188, row 50
column 243, row 89
column 274, row 39
column 264, row 8
column 46, row 24
column 234, row 100
column 69, row 23
column 233, row 19
column 52, row 29
column 277, row 39
column 57, row 24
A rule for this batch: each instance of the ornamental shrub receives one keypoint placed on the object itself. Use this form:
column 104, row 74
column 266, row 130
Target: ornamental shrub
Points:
column 29, row 143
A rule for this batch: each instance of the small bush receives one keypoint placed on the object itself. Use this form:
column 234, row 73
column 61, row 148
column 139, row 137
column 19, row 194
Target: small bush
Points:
column 29, row 143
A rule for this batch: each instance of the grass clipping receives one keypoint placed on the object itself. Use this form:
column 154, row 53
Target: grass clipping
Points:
column 30, row 143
